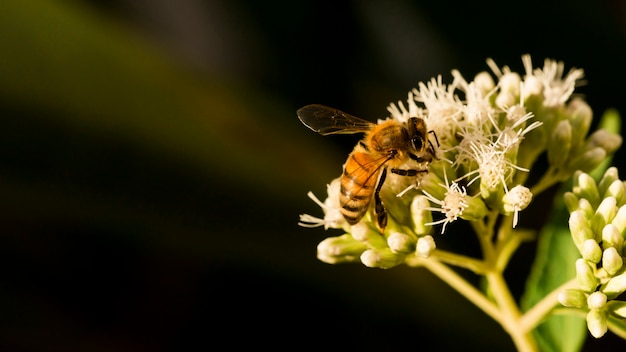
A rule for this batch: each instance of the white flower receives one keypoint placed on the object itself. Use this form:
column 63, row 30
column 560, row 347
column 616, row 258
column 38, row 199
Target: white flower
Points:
column 332, row 209
column 452, row 205
column 517, row 199
column 556, row 88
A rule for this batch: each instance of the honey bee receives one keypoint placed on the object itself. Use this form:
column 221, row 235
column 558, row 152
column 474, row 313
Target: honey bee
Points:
column 390, row 145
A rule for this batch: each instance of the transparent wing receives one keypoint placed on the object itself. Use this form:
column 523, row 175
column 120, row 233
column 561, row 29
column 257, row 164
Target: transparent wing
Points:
column 326, row 120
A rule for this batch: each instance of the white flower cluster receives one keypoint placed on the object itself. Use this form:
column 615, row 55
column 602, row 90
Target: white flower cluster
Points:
column 489, row 132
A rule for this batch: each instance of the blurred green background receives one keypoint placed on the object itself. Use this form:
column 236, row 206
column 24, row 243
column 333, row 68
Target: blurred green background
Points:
column 152, row 168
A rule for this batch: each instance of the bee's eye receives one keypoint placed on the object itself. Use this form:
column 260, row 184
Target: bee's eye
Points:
column 418, row 142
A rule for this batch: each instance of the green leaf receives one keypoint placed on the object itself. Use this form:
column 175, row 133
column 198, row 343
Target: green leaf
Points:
column 553, row 266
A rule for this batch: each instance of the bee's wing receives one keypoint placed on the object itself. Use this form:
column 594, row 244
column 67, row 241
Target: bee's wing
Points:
column 326, row 120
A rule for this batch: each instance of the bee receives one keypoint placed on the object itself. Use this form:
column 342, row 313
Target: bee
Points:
column 389, row 146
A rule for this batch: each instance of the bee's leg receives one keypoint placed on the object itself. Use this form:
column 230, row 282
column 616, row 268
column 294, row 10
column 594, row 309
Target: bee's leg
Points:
column 379, row 208
column 409, row 172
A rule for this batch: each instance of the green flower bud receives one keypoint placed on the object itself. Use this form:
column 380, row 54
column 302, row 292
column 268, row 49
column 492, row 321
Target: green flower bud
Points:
column 560, row 144
column 400, row 243
column 573, row 298
column 620, row 219
column 372, row 238
column 484, row 82
column 585, row 275
column 591, row 251
column 425, row 246
column 515, row 200
column 421, row 215
column 585, row 187
column 611, row 261
column 475, row 210
column 604, row 215
column 571, row 201
column 340, row 249
column 586, row 207
column 588, row 160
column 580, row 117
column 580, row 228
column 617, row 308
column 611, row 237
column 615, row 190
column 381, row 258
column 615, row 286
column 610, row 175
column 604, row 139
column 596, row 322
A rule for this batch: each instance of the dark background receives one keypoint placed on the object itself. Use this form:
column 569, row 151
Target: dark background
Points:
column 152, row 168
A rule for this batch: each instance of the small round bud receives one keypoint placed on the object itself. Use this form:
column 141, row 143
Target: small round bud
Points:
column 580, row 117
column 363, row 233
column 400, row 243
column 484, row 82
column 611, row 261
column 610, row 175
column 596, row 300
column 425, row 246
column 615, row 190
column 572, row 298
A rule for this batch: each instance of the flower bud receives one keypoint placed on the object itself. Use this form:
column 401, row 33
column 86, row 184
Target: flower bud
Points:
column 580, row 228
column 425, row 246
column 381, row 258
column 591, row 251
column 615, row 286
column 610, row 175
column 571, row 201
column 572, row 298
column 604, row 215
column 560, row 144
column 596, row 322
column 340, row 249
column 620, row 219
column 611, row 261
column 475, row 210
column 604, row 139
column 585, row 187
column 588, row 160
column 421, row 216
column 484, row 82
column 617, row 308
column 363, row 233
column 611, row 237
column 596, row 300
column 586, row 207
column 400, row 243
column 585, row 275
column 615, row 190
column 580, row 116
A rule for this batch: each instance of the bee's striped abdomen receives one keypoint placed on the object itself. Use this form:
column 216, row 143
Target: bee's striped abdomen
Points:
column 358, row 183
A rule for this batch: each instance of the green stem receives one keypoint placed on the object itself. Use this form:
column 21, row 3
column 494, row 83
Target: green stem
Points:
column 461, row 261
column 510, row 313
column 468, row 291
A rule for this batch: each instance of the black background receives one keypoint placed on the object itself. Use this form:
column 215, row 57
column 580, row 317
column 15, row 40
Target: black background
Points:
column 113, row 241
